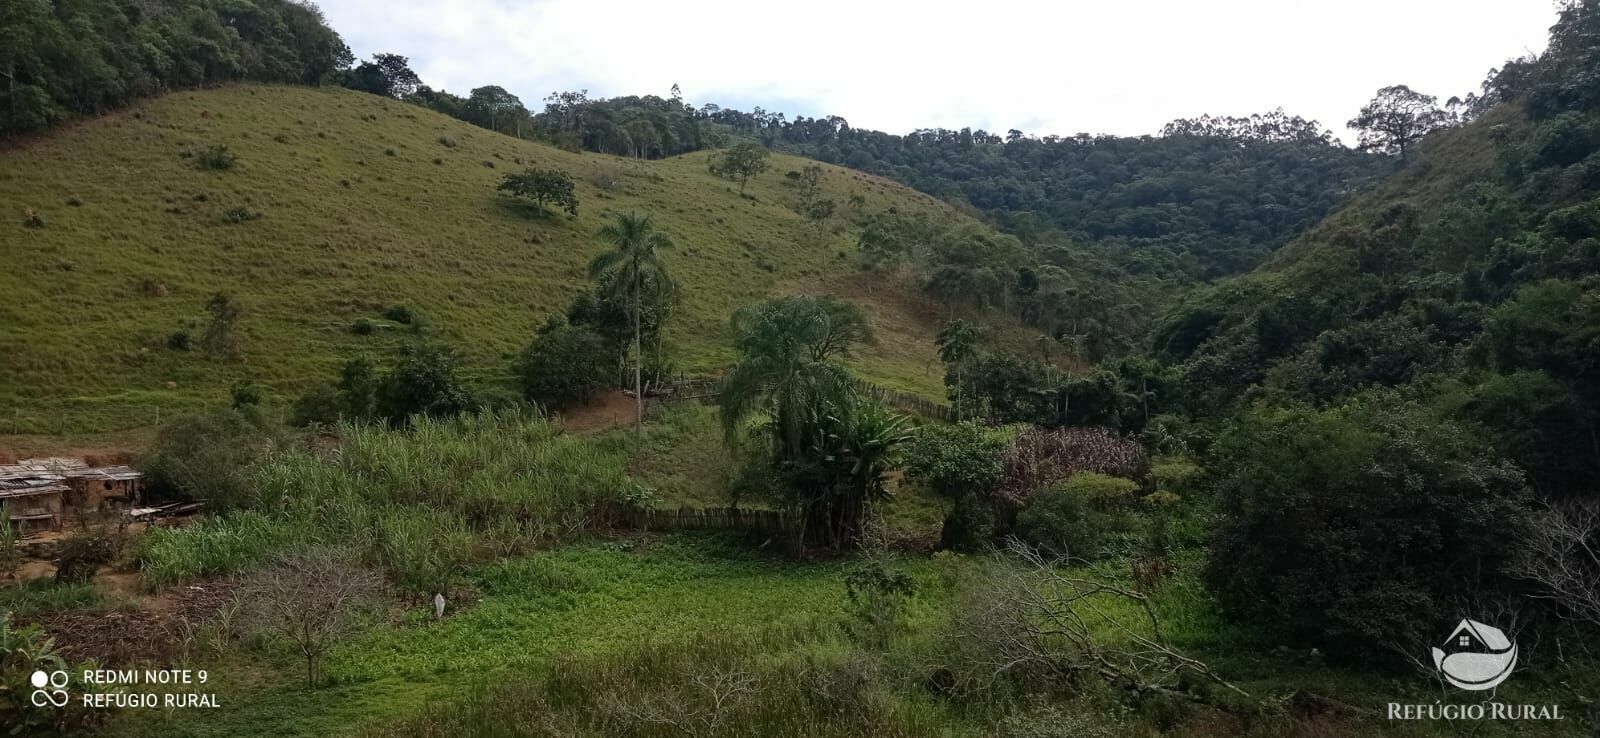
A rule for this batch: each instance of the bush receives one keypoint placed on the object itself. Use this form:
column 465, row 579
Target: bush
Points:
column 962, row 463
column 240, row 214
column 400, row 314
column 423, row 382
column 564, row 366
column 1073, row 518
column 877, row 599
column 320, row 406
column 362, row 327
column 1361, row 528
column 1563, row 141
column 244, row 393
column 80, row 556
column 208, row 457
column 215, row 158
column 957, row 459
column 180, row 341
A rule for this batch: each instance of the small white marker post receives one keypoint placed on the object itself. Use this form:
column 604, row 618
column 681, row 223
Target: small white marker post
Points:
column 438, row 606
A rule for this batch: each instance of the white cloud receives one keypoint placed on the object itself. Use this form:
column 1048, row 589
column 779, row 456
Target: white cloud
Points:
column 1113, row 66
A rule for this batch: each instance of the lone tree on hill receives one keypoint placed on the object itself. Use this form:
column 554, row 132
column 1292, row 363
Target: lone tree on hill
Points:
column 541, row 186
column 633, row 260
column 740, row 163
column 1397, row 118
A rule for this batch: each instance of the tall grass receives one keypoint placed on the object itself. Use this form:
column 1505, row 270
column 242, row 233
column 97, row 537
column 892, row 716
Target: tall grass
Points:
column 784, row 683
column 420, row 503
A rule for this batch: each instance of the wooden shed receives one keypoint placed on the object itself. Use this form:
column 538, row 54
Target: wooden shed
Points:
column 41, row 493
column 33, row 497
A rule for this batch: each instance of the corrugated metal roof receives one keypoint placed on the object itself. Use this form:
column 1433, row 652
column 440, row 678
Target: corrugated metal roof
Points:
column 62, row 469
column 105, row 473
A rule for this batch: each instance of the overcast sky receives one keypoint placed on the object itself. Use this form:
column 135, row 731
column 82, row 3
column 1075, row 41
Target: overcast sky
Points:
column 1099, row 66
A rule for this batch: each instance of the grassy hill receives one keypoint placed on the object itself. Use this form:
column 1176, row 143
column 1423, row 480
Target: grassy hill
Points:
column 342, row 205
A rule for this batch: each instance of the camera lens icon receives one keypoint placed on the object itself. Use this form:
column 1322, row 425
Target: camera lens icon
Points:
column 49, row 688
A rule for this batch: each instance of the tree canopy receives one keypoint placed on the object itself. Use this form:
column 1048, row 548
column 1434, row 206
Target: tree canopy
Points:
column 58, row 60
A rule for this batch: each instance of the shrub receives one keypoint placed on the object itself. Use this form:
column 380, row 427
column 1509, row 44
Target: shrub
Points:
column 1563, row 141
column 962, row 463
column 447, row 142
column 320, row 406
column 80, row 556
column 876, row 602
column 244, row 393
column 74, row 201
column 1072, row 518
column 565, row 365
column 180, row 341
column 33, row 219
column 1358, row 529
column 240, row 214
column 423, row 382
column 208, row 457
column 399, row 314
column 956, row 459
column 362, row 327
column 215, row 158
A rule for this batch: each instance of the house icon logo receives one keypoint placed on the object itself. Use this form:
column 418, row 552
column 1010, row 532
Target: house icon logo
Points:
column 1476, row 656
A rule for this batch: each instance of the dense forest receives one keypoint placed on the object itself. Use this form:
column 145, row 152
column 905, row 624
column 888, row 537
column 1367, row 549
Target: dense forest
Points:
column 1456, row 328
column 62, row 59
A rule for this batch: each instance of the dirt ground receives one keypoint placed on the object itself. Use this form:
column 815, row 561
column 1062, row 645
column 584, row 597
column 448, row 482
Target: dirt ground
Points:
column 149, row 630
column 608, row 410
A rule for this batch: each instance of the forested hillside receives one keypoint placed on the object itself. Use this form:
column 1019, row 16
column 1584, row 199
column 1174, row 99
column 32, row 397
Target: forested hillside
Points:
column 62, row 59
column 1416, row 378
column 1206, row 198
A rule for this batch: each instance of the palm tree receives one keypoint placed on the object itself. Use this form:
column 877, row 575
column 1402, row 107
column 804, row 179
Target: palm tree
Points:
column 958, row 344
column 831, row 445
column 633, row 259
column 784, row 366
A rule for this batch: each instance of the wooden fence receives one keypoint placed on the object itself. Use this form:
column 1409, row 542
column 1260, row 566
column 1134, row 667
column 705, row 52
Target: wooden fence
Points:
column 705, row 390
column 634, row 517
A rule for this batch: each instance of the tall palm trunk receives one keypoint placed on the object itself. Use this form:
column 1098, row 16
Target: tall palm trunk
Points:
column 638, row 374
